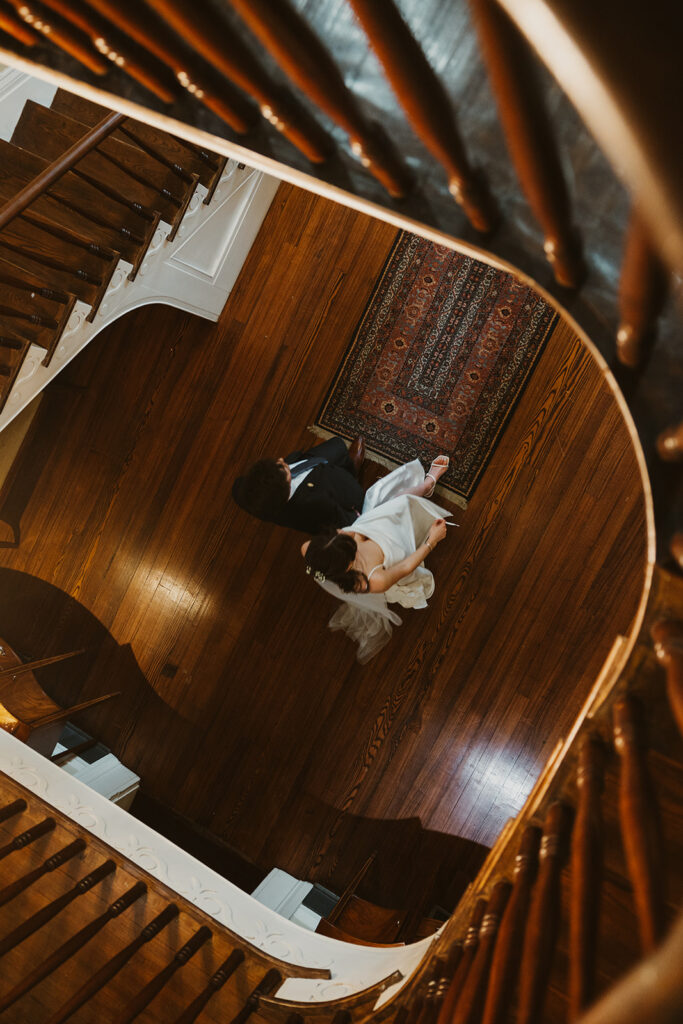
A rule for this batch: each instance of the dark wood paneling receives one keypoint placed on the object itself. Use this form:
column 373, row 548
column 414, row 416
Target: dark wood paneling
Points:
column 240, row 709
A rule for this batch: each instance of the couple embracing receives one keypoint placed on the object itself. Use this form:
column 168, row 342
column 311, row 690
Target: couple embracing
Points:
column 368, row 547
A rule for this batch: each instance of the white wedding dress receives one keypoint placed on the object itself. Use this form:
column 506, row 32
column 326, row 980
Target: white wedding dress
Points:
column 398, row 523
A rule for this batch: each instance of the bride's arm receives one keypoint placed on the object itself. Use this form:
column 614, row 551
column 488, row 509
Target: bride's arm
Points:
column 383, row 579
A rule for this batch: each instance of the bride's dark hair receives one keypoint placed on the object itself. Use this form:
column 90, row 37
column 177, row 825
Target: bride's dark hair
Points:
column 331, row 553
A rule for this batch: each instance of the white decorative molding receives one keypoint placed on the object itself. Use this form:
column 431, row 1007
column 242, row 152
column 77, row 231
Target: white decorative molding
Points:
column 15, row 88
column 352, row 968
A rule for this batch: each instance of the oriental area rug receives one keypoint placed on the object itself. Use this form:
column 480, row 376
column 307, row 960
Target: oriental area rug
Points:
column 437, row 362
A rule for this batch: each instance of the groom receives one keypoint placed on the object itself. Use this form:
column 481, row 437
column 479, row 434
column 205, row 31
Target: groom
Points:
column 308, row 490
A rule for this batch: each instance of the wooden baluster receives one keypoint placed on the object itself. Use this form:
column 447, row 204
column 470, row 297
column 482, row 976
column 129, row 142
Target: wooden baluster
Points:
column 61, row 34
column 113, row 966
column 72, row 945
column 152, row 989
column 38, row 221
column 670, row 444
column 136, row 139
column 427, row 106
column 529, row 137
column 470, row 1000
column 586, row 875
column 508, row 951
column 469, row 948
column 48, row 261
column 428, row 1000
column 32, row 318
column 46, row 913
column 111, row 193
column 63, row 298
column 667, row 635
column 216, row 982
column 642, row 291
column 650, row 993
column 299, row 52
column 9, row 810
column 676, row 548
column 153, row 34
column 268, row 983
column 143, row 68
column 17, row 29
column 640, row 829
column 51, row 864
column 220, row 47
column 544, row 917
column 29, row 836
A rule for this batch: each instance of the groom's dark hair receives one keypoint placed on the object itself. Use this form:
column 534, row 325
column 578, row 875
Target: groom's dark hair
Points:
column 263, row 489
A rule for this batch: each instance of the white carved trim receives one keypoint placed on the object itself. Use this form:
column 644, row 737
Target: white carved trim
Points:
column 15, row 88
column 353, row 968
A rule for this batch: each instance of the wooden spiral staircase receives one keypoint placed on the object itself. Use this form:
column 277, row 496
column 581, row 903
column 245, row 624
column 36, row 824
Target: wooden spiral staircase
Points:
column 585, row 884
column 82, row 189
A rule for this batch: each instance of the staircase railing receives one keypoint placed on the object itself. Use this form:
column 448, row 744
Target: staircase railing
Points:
column 42, row 182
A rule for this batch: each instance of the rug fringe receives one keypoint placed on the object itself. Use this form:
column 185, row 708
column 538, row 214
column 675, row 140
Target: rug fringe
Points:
column 381, row 460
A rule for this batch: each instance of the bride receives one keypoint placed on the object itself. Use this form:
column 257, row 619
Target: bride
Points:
column 378, row 560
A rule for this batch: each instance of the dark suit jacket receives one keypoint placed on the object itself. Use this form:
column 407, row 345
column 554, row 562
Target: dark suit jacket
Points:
column 329, row 496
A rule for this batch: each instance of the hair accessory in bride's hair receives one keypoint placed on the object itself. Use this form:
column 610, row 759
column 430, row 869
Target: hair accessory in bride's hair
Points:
column 318, row 576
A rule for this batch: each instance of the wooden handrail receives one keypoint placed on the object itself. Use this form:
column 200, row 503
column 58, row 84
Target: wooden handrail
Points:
column 13, row 207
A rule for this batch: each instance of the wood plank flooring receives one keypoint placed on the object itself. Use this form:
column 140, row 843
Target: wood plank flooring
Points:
column 239, row 709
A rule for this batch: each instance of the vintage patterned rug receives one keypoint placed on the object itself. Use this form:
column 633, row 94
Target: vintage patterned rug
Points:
column 437, row 362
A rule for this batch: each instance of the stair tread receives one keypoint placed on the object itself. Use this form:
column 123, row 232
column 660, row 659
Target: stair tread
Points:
column 173, row 148
column 48, row 133
column 18, row 167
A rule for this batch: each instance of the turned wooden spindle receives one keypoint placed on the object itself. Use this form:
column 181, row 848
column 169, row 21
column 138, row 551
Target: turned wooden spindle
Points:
column 100, row 978
column 215, row 982
column 676, row 548
column 61, row 34
column 51, row 864
column 471, row 998
column 46, row 913
column 268, row 983
column 529, row 136
column 218, row 45
column 27, row 837
column 142, row 67
column 459, row 977
column 670, row 444
column 427, row 106
column 153, row 34
column 426, row 1003
column 508, row 950
column 586, row 877
column 642, row 290
column 640, row 827
column 667, row 635
column 299, row 52
column 544, row 917
column 17, row 29
column 152, row 989
column 72, row 945
column 9, row 810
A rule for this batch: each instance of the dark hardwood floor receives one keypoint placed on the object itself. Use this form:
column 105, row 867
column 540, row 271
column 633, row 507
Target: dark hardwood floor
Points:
column 239, row 709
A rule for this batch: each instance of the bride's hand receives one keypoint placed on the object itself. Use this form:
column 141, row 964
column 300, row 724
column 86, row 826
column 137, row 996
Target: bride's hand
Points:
column 437, row 531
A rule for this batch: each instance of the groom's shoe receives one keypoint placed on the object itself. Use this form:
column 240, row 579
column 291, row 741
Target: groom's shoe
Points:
column 357, row 455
